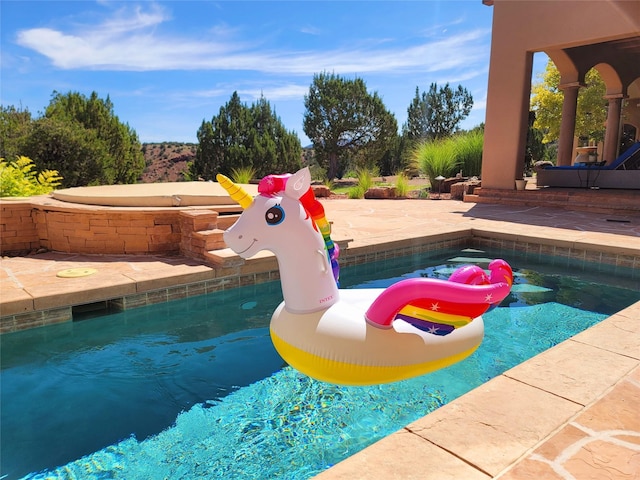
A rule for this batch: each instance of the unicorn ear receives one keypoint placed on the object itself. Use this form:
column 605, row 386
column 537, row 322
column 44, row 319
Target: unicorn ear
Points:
column 298, row 184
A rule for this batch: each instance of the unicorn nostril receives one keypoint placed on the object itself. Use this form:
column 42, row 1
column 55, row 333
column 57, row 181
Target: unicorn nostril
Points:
column 239, row 237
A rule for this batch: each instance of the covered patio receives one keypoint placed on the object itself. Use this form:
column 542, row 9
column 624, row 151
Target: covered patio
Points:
column 577, row 36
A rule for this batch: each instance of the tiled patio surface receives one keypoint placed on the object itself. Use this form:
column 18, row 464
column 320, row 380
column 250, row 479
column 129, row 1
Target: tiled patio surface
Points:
column 571, row 412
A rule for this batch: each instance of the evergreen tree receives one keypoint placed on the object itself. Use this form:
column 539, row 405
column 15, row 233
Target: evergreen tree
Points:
column 347, row 123
column 245, row 137
column 437, row 113
column 15, row 128
column 77, row 153
column 79, row 137
column 122, row 160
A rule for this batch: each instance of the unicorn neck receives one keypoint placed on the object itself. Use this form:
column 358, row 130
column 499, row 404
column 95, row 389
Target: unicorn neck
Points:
column 307, row 280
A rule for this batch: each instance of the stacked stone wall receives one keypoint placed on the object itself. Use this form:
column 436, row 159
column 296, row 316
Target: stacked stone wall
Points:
column 198, row 232
column 110, row 231
column 28, row 226
column 18, row 232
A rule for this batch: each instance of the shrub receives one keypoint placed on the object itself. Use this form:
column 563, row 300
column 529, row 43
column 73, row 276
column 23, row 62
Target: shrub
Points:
column 365, row 179
column 365, row 182
column 18, row 180
column 468, row 151
column 436, row 158
column 402, row 185
column 243, row 174
column 317, row 172
column 356, row 192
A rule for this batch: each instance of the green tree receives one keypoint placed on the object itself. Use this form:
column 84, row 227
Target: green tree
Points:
column 241, row 137
column 591, row 112
column 92, row 121
column 437, row 113
column 15, row 127
column 535, row 149
column 346, row 123
column 76, row 153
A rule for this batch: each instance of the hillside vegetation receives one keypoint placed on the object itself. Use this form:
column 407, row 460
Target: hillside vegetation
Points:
column 167, row 161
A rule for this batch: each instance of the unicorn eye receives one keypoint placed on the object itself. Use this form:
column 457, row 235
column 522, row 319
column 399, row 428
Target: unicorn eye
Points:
column 274, row 215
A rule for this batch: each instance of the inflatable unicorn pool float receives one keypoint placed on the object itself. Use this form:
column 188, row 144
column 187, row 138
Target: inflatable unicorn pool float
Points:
column 355, row 336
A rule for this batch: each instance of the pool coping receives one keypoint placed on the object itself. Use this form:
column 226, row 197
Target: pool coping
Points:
column 27, row 309
column 496, row 428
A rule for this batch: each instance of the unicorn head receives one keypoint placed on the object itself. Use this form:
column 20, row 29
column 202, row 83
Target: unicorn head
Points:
column 286, row 219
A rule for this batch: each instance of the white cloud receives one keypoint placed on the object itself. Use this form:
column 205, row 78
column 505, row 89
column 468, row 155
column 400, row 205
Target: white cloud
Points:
column 130, row 40
column 275, row 93
column 128, row 19
column 310, row 30
column 247, row 93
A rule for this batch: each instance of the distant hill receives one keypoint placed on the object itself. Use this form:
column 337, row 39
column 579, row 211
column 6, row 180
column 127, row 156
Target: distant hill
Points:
column 167, row 161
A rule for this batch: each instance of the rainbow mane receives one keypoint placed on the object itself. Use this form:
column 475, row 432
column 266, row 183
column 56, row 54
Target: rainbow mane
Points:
column 273, row 184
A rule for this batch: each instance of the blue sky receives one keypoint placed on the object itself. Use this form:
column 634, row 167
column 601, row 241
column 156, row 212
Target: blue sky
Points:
column 167, row 66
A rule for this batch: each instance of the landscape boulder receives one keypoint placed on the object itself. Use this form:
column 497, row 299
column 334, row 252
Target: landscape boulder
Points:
column 460, row 189
column 381, row 192
column 321, row 191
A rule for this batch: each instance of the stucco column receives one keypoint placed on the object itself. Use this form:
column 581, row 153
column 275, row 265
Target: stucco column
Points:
column 612, row 132
column 568, row 122
column 507, row 116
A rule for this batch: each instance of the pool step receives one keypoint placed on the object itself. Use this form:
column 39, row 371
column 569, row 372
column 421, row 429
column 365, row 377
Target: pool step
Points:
column 605, row 201
column 225, row 221
column 223, row 258
column 208, row 239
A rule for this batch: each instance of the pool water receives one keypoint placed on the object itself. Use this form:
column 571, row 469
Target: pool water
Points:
column 194, row 389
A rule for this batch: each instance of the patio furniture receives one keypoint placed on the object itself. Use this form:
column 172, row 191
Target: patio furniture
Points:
column 624, row 172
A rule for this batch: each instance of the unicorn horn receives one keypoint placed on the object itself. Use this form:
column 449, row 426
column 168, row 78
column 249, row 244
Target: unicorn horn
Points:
column 236, row 192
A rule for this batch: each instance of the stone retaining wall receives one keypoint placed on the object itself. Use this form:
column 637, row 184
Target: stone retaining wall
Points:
column 41, row 222
column 109, row 232
column 18, row 232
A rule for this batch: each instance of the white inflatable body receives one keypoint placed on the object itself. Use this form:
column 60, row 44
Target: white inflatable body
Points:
column 360, row 336
column 338, row 345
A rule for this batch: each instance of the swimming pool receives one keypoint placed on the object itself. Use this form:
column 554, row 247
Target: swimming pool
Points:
column 84, row 389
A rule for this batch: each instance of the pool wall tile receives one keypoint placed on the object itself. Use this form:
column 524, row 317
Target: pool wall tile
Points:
column 195, row 289
column 145, row 283
column 626, row 261
column 592, row 256
column 58, row 315
column 246, row 280
column 157, row 296
column 176, row 293
column 578, row 253
column 263, row 277
column 222, row 284
column 130, row 301
column 40, row 318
